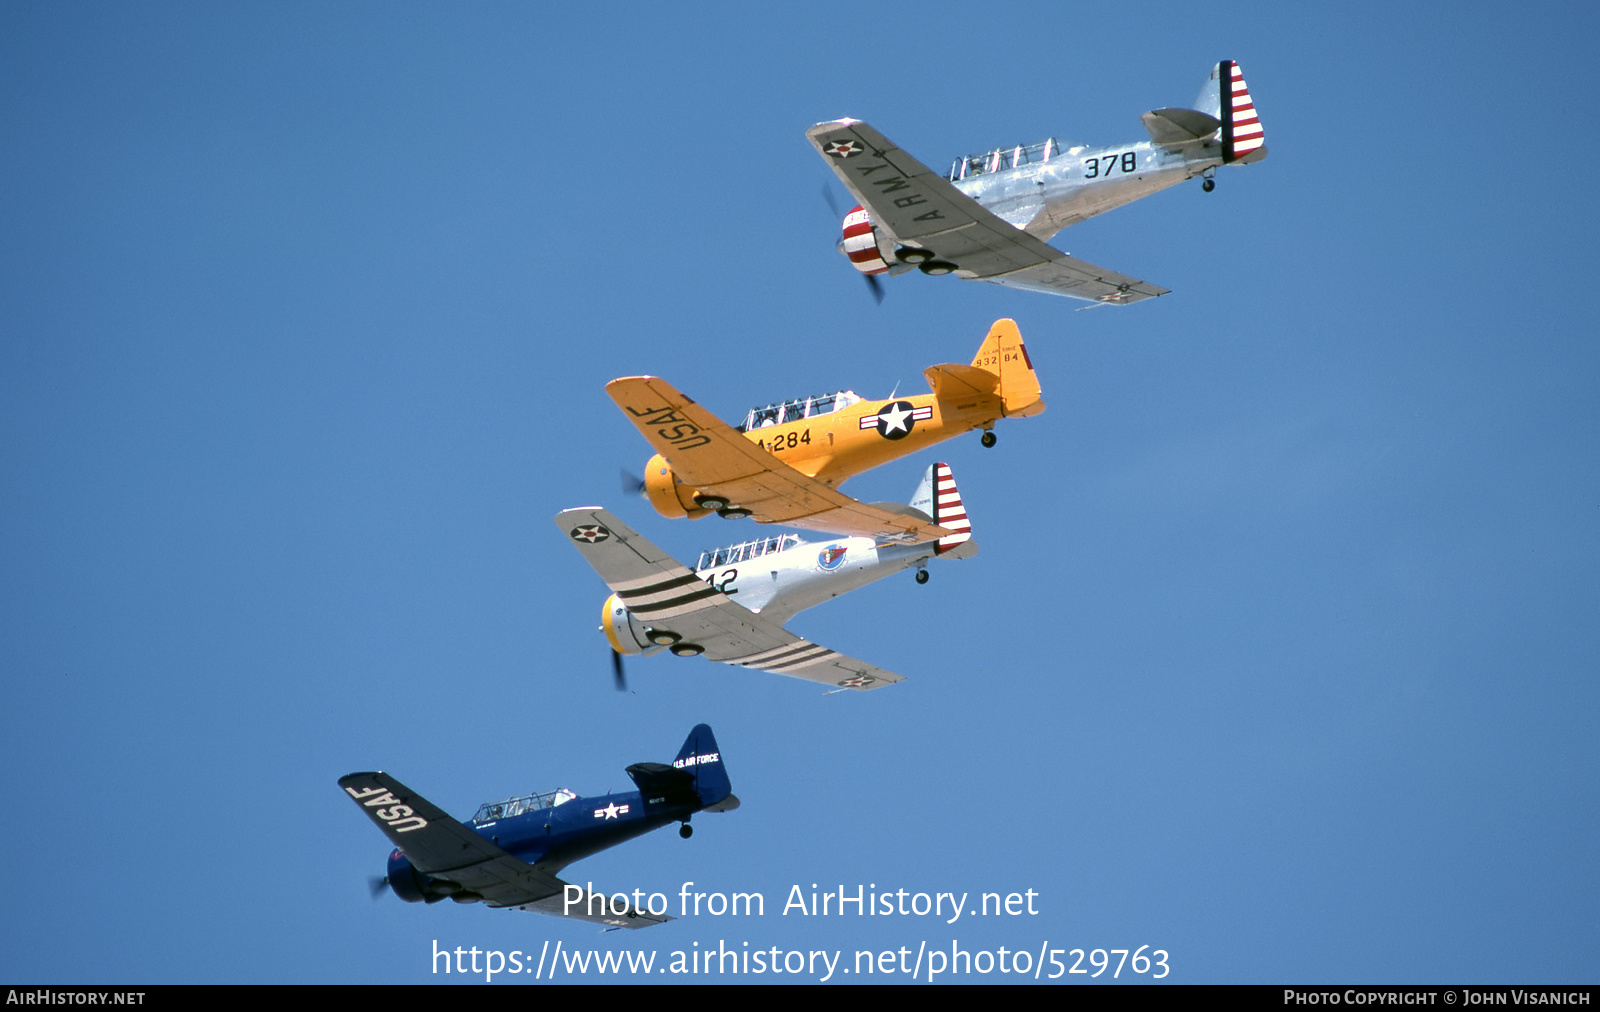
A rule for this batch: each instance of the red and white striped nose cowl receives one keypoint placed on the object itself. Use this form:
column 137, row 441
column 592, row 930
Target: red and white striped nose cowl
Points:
column 860, row 242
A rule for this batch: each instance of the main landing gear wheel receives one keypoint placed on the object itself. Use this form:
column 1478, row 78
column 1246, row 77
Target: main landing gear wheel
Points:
column 1208, row 185
column 934, row 268
column 685, row 830
column 914, row 255
column 989, row 439
column 711, row 502
column 734, row 513
column 922, row 576
column 687, row 649
column 662, row 637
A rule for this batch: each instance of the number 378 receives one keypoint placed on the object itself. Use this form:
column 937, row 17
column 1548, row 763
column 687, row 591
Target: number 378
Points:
column 1105, row 165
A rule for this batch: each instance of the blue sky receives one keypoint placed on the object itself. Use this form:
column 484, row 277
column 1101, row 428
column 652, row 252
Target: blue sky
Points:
column 1280, row 651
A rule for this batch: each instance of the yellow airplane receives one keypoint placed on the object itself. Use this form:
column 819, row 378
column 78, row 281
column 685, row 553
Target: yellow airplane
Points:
column 783, row 464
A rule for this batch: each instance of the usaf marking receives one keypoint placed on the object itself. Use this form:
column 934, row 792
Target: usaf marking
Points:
column 685, row 435
column 395, row 817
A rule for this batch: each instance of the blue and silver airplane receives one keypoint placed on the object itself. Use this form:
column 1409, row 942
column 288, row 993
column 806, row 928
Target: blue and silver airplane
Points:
column 991, row 215
column 510, row 852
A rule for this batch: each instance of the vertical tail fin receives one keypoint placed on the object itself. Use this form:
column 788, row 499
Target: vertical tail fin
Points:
column 1003, row 354
column 702, row 758
column 938, row 497
column 1228, row 98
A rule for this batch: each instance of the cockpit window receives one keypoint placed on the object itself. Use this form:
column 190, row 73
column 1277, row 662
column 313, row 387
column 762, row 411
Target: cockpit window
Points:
column 798, row 409
column 1004, row 158
column 511, row 807
column 745, row 551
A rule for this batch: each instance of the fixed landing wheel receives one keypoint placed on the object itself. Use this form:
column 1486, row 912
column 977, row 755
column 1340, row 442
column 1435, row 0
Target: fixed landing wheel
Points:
column 687, row 649
column 1208, row 185
column 922, row 576
column 934, row 268
column 989, row 439
column 685, row 830
column 711, row 502
column 734, row 512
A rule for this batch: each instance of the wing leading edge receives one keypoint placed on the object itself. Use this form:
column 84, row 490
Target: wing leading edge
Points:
column 921, row 207
column 664, row 592
column 443, row 848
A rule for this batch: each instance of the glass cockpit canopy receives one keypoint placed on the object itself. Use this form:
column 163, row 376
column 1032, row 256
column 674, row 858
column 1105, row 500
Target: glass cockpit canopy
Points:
column 793, row 411
column 1008, row 158
column 496, row 810
column 745, row 551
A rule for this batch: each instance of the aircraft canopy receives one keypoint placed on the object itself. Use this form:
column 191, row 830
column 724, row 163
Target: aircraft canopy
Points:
column 745, row 551
column 793, row 411
column 1007, row 158
column 493, row 811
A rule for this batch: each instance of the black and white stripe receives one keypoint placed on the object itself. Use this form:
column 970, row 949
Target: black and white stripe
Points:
column 781, row 659
column 655, row 597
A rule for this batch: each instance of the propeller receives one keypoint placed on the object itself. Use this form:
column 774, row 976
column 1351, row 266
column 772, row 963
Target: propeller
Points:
column 618, row 678
column 377, row 885
column 874, row 285
column 632, row 484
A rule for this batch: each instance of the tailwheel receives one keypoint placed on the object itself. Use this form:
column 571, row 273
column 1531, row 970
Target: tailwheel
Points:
column 922, row 576
column 1208, row 185
column 989, row 439
column 685, row 830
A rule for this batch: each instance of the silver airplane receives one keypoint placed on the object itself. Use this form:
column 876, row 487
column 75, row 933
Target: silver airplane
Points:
column 732, row 606
column 989, row 217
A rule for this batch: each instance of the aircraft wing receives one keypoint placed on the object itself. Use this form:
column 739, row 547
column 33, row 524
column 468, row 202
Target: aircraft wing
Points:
column 709, row 454
column 666, row 594
column 919, row 206
column 439, row 846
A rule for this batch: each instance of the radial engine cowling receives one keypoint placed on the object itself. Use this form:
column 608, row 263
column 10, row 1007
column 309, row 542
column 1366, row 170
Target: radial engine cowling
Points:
column 627, row 634
column 669, row 496
column 415, row 887
column 860, row 242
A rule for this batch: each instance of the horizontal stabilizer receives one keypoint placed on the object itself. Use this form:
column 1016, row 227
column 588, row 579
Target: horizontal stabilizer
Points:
column 1179, row 126
column 727, row 804
column 951, row 381
column 658, row 780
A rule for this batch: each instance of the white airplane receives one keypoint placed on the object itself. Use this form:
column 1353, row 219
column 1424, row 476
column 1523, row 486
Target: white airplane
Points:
column 732, row 606
column 989, row 217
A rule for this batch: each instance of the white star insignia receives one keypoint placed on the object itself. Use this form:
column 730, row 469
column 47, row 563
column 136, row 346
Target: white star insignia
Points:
column 894, row 419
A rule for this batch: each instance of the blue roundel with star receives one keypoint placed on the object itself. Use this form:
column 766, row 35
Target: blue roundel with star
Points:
column 895, row 420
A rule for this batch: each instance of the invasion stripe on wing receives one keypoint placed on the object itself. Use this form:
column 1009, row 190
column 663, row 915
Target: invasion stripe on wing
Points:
column 679, row 605
column 778, row 658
